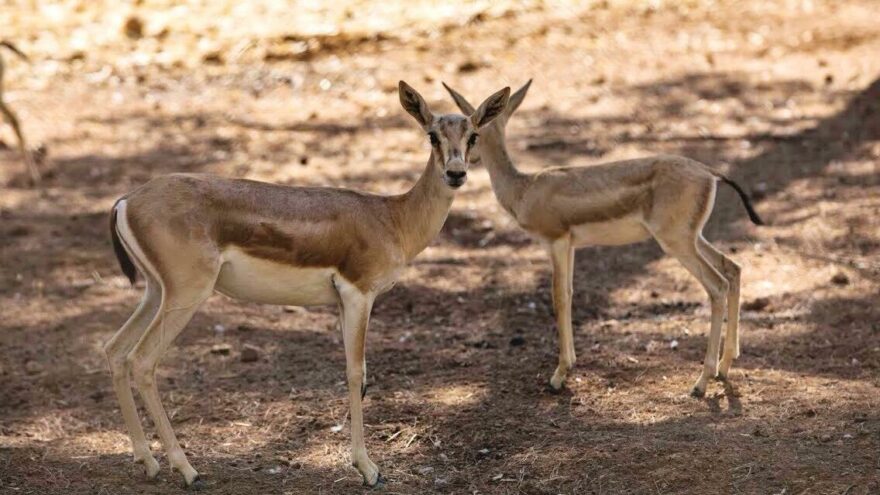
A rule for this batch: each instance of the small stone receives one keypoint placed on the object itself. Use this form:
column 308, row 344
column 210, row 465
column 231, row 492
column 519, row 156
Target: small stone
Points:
column 133, row 27
column 425, row 470
column 19, row 231
column 221, row 349
column 469, row 66
column 840, row 278
column 760, row 432
column 213, row 58
column 756, row 304
column 250, row 354
column 33, row 367
column 673, row 345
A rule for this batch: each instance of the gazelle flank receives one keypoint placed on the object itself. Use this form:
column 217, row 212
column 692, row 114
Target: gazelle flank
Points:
column 190, row 235
column 668, row 198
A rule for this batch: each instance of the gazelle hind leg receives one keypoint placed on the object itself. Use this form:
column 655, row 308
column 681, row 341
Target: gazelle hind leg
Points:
column 117, row 349
column 562, row 256
column 26, row 154
column 731, row 272
column 716, row 286
column 177, row 308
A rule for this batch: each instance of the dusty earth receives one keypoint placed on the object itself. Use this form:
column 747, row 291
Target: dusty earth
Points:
column 784, row 96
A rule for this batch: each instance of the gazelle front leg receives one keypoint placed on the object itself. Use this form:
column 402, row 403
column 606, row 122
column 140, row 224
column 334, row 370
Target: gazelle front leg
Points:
column 356, row 307
column 364, row 365
column 562, row 256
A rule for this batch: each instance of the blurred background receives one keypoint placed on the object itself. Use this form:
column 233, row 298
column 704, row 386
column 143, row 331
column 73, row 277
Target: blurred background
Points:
column 783, row 96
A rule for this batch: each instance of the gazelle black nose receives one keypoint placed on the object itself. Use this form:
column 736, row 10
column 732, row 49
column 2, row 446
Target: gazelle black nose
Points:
column 454, row 174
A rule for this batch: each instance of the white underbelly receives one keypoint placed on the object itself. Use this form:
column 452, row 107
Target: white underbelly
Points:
column 626, row 230
column 264, row 281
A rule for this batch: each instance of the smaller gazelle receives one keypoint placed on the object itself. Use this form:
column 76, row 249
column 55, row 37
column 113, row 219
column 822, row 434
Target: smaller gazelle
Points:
column 668, row 198
column 12, row 119
column 190, row 235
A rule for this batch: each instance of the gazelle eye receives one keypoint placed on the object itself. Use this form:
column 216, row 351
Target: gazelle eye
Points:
column 435, row 141
column 472, row 140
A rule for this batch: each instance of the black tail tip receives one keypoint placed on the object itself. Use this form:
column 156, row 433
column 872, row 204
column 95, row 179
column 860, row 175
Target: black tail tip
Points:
column 747, row 202
column 757, row 220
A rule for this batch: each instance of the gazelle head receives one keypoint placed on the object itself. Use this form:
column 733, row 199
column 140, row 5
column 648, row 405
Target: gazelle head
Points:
column 453, row 136
column 496, row 129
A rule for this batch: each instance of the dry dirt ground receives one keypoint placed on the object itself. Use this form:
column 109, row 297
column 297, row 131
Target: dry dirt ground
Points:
column 782, row 95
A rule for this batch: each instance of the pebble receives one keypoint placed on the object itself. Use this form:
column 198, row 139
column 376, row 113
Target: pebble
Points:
column 250, row 354
column 33, row 367
column 756, row 304
column 221, row 349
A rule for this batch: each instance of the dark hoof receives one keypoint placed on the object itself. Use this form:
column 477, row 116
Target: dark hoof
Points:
column 196, row 485
column 379, row 484
column 697, row 393
column 364, row 391
column 720, row 377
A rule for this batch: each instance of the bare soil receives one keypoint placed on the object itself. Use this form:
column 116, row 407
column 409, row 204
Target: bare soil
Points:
column 784, row 96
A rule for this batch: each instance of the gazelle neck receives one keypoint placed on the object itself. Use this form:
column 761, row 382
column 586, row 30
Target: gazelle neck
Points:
column 422, row 210
column 507, row 181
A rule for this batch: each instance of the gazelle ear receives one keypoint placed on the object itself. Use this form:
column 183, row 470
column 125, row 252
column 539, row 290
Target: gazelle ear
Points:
column 462, row 103
column 415, row 105
column 516, row 99
column 491, row 108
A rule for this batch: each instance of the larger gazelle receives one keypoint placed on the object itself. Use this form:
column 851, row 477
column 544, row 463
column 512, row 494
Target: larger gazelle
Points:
column 668, row 198
column 190, row 235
